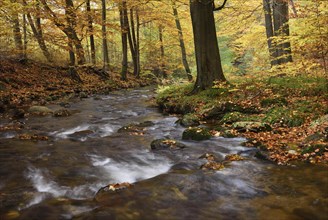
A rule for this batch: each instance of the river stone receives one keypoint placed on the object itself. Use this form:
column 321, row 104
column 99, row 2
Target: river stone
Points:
column 189, row 120
column 62, row 113
column 81, row 134
column 162, row 144
column 243, row 126
column 39, row 110
column 196, row 134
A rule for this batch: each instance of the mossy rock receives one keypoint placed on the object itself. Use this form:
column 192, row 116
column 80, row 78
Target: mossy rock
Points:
column 318, row 149
column 163, row 144
column 228, row 134
column 231, row 117
column 280, row 101
column 189, row 120
column 40, row 110
column 284, row 116
column 196, row 134
column 62, row 113
column 243, row 126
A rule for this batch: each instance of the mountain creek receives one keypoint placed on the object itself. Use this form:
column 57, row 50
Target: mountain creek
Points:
column 59, row 177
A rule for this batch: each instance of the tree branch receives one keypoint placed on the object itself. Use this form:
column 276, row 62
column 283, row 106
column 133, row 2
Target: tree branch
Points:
column 219, row 8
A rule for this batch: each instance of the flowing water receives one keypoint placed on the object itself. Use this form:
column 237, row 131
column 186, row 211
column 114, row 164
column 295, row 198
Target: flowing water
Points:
column 58, row 178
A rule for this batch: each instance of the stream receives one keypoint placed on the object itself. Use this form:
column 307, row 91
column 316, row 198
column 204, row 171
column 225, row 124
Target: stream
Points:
column 58, row 178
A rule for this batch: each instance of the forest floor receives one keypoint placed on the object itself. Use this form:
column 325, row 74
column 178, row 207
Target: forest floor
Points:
column 285, row 117
column 26, row 84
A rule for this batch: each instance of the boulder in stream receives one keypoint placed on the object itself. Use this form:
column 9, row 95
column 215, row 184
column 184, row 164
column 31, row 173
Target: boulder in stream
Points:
column 196, row 134
column 189, row 120
column 111, row 188
column 39, row 110
column 62, row 113
column 243, row 126
column 81, row 134
column 162, row 144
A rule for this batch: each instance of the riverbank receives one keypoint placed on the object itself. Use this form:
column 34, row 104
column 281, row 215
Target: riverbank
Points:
column 285, row 117
column 36, row 84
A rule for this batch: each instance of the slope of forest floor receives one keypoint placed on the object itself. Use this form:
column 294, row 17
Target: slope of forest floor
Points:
column 26, row 84
column 285, row 117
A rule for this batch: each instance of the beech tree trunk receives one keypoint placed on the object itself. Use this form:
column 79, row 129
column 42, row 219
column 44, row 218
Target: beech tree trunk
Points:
column 269, row 31
column 90, row 29
column 37, row 32
column 104, row 36
column 162, row 57
column 281, row 29
column 181, row 41
column 124, row 36
column 18, row 39
column 208, row 59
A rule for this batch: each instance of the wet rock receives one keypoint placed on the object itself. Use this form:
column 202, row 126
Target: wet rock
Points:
column 40, row 110
column 18, row 114
column 197, row 134
column 208, row 156
column 111, row 188
column 252, row 126
column 228, row 134
column 83, row 95
column 132, row 128
column 62, row 113
column 262, row 154
column 189, row 120
column 65, row 104
column 233, row 157
column 34, row 137
column 81, row 134
column 212, row 165
column 135, row 129
column 162, row 144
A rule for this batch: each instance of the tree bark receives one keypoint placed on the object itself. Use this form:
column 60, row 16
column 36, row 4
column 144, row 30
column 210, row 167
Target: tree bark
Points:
column 104, row 37
column 181, row 41
column 90, row 29
column 18, row 39
column 269, row 31
column 208, row 59
column 162, row 57
column 124, row 36
column 37, row 32
column 281, row 29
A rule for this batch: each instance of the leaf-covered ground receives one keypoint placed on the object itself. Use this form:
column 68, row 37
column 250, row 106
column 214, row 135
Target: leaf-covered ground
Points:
column 25, row 84
column 289, row 114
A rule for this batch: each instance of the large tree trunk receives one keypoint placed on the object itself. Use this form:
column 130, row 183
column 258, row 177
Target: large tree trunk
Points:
column 124, row 36
column 90, row 29
column 133, row 44
column 281, row 29
column 104, row 37
column 269, row 31
column 18, row 39
column 138, row 42
column 181, row 41
column 208, row 59
column 162, row 71
column 71, row 21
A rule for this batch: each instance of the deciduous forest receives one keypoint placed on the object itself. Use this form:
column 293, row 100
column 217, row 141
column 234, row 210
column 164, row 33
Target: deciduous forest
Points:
column 171, row 109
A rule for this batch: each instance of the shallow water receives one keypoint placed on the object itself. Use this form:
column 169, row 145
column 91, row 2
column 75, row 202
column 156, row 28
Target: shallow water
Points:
column 58, row 179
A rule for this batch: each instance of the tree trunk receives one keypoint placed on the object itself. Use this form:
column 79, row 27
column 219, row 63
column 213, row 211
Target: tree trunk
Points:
column 208, row 59
column 104, row 37
column 24, row 37
column 124, row 36
column 90, row 29
column 37, row 33
column 181, row 41
column 133, row 44
column 269, row 31
column 18, row 36
column 138, row 42
column 162, row 57
column 281, row 29
column 71, row 21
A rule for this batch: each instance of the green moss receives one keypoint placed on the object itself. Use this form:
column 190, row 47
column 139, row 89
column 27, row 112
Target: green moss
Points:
column 280, row 101
column 196, row 134
column 284, row 116
column 231, row 117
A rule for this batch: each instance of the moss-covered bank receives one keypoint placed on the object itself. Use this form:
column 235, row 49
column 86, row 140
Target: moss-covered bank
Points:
column 287, row 115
